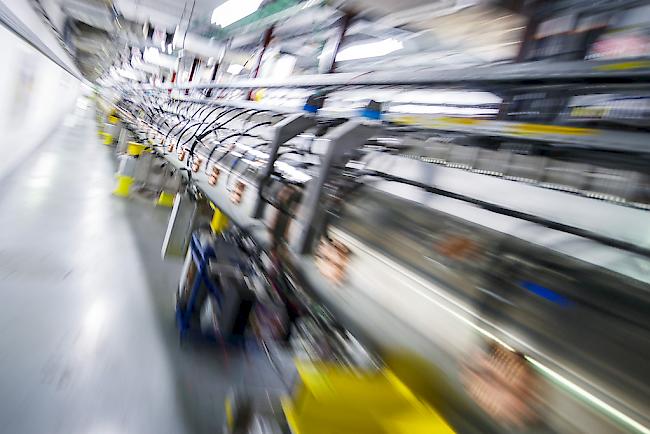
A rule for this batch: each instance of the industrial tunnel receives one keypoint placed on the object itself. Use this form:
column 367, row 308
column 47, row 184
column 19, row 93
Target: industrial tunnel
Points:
column 325, row 217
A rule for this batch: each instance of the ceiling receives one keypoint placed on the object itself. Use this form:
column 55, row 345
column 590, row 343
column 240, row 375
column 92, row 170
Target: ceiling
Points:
column 167, row 14
column 99, row 31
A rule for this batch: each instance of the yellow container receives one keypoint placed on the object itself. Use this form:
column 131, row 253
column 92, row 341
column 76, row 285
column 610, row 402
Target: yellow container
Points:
column 418, row 421
column 166, row 199
column 300, row 424
column 108, row 139
column 112, row 119
column 123, row 186
column 331, row 384
column 230, row 418
column 135, row 148
column 219, row 220
column 333, row 399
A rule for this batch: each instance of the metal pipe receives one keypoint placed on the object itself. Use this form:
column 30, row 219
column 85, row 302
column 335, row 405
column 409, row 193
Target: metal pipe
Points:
column 268, row 35
column 343, row 28
column 529, row 72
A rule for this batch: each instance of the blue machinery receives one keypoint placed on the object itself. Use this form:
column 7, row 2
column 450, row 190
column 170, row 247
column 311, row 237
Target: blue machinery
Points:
column 200, row 256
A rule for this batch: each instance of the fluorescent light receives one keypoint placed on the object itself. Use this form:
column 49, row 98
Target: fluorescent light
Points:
column 233, row 10
column 235, row 69
column 309, row 4
column 443, row 110
column 446, row 97
column 370, row 49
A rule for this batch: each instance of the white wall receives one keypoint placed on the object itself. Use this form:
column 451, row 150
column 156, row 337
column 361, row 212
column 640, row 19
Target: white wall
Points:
column 35, row 96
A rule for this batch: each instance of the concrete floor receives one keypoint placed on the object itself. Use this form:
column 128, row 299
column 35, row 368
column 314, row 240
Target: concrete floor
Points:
column 87, row 336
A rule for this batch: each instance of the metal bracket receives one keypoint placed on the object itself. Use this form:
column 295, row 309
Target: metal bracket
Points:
column 283, row 131
column 338, row 142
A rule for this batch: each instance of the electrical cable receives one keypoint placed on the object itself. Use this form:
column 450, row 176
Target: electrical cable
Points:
column 237, row 160
column 219, row 116
column 240, row 134
column 220, row 126
column 619, row 244
column 199, row 138
column 172, row 128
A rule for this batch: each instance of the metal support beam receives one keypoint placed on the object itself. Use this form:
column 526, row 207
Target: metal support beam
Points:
column 339, row 142
column 213, row 77
column 217, row 65
column 328, row 61
column 283, row 131
column 195, row 64
column 268, row 35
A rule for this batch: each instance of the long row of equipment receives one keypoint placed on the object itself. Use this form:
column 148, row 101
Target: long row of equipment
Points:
column 497, row 269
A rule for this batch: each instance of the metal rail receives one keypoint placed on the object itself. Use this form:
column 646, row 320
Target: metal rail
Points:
column 526, row 72
column 556, row 135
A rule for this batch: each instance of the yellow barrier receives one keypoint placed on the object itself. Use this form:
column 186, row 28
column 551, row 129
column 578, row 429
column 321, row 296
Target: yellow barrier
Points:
column 230, row 419
column 624, row 66
column 123, row 186
column 108, row 139
column 537, row 129
column 417, row 422
column 135, row 149
column 334, row 399
column 166, row 199
column 219, row 220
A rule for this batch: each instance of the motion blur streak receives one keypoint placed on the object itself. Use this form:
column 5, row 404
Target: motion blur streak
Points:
column 325, row 216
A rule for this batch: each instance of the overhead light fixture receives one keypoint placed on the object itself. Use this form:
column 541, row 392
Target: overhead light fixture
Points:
column 235, row 69
column 309, row 4
column 443, row 110
column 370, row 49
column 234, row 10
